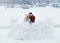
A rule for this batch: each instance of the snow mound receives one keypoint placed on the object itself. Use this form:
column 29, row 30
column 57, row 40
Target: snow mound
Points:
column 39, row 30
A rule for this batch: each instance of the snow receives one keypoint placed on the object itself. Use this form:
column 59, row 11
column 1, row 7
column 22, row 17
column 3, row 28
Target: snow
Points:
column 43, row 29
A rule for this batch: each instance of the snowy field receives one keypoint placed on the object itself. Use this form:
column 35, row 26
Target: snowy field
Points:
column 13, row 29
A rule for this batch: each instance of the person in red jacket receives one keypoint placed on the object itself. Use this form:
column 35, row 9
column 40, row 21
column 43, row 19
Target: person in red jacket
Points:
column 31, row 17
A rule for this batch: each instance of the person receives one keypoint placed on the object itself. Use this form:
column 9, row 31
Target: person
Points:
column 31, row 17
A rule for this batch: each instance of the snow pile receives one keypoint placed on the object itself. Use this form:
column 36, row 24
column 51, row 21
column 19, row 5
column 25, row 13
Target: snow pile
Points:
column 40, row 30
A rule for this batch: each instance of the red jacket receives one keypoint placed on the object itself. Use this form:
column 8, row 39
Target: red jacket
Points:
column 32, row 18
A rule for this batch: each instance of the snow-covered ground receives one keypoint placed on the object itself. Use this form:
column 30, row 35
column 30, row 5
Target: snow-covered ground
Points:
column 12, row 20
